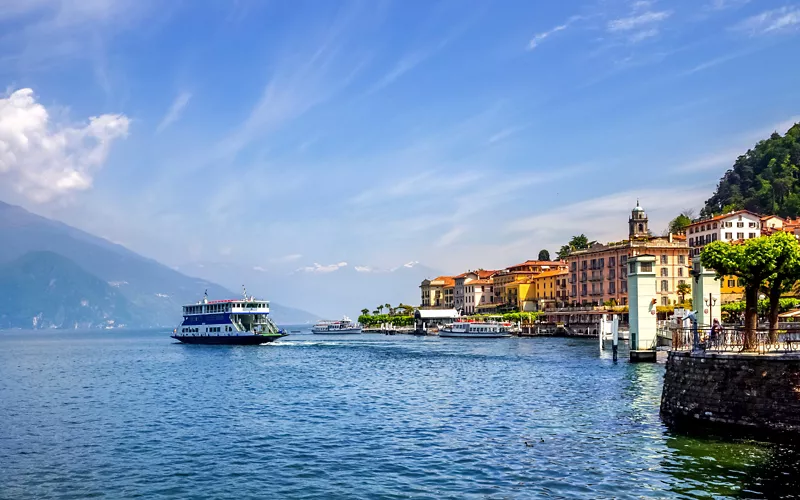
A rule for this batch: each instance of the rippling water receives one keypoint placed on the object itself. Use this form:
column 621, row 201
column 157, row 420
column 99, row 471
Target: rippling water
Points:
column 133, row 414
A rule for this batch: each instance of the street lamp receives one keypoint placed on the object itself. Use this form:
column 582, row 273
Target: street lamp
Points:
column 710, row 302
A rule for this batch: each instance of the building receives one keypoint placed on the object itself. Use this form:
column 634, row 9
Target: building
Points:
column 734, row 226
column 479, row 296
column 598, row 275
column 460, row 292
column 438, row 293
column 508, row 297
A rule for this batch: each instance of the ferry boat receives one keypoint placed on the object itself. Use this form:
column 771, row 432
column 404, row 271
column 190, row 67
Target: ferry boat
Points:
column 475, row 330
column 336, row 327
column 243, row 321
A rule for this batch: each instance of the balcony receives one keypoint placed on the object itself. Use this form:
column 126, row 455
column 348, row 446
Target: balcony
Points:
column 596, row 277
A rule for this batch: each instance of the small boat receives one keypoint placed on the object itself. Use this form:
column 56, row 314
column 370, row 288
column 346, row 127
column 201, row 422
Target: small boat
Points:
column 343, row 326
column 243, row 321
column 475, row 330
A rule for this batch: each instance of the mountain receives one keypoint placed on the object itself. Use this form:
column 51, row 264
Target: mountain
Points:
column 47, row 290
column 345, row 290
column 153, row 288
column 765, row 180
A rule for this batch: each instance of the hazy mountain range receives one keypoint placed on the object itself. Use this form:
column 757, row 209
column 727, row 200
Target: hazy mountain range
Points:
column 55, row 276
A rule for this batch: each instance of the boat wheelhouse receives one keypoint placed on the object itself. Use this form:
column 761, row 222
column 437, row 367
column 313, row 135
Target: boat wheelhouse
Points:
column 233, row 321
column 475, row 330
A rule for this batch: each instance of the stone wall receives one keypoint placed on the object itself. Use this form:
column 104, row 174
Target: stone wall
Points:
column 748, row 395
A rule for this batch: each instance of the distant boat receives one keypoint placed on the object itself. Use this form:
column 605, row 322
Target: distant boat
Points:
column 243, row 321
column 475, row 330
column 345, row 325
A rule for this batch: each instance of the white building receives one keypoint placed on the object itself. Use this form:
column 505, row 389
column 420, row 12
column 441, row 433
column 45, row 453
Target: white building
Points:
column 733, row 226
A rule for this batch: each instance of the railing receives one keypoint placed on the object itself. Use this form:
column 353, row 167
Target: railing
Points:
column 732, row 339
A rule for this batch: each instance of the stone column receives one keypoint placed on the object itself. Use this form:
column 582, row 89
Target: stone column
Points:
column 704, row 282
column 642, row 307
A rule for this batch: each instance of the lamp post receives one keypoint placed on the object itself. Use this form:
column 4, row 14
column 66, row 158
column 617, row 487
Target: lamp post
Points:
column 710, row 302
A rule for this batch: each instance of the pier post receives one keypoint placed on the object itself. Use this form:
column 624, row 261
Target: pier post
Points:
column 614, row 336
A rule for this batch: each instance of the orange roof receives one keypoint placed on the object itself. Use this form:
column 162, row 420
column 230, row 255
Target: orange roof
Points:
column 552, row 273
column 446, row 280
column 481, row 282
column 765, row 217
column 483, row 273
column 724, row 216
column 540, row 263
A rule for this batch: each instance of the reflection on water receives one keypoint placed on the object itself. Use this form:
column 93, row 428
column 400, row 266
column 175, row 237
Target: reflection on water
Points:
column 367, row 416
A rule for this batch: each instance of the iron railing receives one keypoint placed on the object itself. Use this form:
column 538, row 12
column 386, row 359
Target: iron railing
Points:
column 731, row 339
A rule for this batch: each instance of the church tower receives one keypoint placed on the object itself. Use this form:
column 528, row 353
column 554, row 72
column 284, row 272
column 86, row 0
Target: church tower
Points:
column 637, row 224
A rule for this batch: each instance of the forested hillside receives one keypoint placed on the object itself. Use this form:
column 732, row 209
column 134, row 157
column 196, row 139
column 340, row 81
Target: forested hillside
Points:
column 765, row 180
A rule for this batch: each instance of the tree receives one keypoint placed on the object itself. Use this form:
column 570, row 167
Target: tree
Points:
column 389, row 309
column 679, row 224
column 380, row 309
column 683, row 290
column 544, row 255
column 769, row 259
column 765, row 179
column 785, row 251
column 365, row 312
column 580, row 242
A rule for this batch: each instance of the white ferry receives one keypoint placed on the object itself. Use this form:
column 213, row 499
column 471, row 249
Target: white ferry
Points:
column 336, row 327
column 475, row 330
column 243, row 321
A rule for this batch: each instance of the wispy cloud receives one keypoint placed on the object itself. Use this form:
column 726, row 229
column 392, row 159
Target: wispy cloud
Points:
column 286, row 258
column 505, row 133
column 319, row 268
column 540, row 37
column 726, row 4
column 779, row 20
column 637, row 21
column 175, row 111
column 450, row 237
column 715, row 62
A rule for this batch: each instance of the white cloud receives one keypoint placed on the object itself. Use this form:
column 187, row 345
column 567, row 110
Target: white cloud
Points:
column 720, row 160
column 726, row 4
column 318, row 268
column 637, row 21
column 287, row 258
column 540, row 37
column 772, row 21
column 42, row 160
column 449, row 237
column 259, row 269
column 363, row 269
column 643, row 35
column 175, row 111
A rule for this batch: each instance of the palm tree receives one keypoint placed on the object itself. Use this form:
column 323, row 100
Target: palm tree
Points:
column 683, row 290
column 380, row 309
column 364, row 311
column 389, row 308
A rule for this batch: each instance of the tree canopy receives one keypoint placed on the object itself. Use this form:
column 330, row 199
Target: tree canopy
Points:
column 544, row 254
column 580, row 242
column 765, row 180
column 679, row 224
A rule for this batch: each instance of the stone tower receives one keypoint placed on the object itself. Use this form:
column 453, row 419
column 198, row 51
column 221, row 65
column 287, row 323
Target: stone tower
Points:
column 637, row 224
column 642, row 307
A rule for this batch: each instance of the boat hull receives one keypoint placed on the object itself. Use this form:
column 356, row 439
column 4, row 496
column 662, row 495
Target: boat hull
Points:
column 227, row 339
column 485, row 335
column 337, row 332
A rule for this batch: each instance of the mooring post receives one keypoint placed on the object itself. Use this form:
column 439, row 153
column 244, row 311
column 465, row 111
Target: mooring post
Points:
column 614, row 336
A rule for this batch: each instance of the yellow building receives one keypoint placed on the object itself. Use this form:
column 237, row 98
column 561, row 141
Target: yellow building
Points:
column 731, row 289
column 437, row 293
column 507, row 289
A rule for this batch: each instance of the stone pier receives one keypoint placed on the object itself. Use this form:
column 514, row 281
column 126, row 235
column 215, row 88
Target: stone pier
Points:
column 744, row 395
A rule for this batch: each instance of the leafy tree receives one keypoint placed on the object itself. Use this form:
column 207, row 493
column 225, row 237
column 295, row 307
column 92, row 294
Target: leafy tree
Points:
column 364, row 312
column 684, row 289
column 766, row 179
column 580, row 242
column 786, row 252
column 544, row 255
column 769, row 259
column 679, row 224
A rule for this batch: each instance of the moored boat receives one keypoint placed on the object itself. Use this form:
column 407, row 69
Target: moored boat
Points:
column 345, row 325
column 243, row 321
column 475, row 330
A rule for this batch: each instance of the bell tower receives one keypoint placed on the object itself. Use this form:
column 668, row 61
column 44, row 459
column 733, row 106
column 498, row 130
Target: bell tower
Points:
column 637, row 224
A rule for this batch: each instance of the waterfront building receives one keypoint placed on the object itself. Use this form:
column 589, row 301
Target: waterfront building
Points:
column 479, row 296
column 741, row 225
column 438, row 293
column 509, row 297
column 460, row 292
column 598, row 275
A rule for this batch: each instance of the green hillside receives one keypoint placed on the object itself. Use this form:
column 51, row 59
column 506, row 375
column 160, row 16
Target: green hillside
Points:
column 765, row 180
column 47, row 290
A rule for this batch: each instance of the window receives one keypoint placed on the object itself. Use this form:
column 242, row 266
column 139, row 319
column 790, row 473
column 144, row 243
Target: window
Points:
column 664, row 271
column 647, row 267
column 664, row 259
column 681, row 282
column 624, row 288
column 728, row 236
column 731, row 283
column 714, row 237
column 739, row 236
column 664, row 286
column 664, row 301
column 715, row 225
column 680, row 271
column 681, row 259
column 612, row 261
column 740, row 224
column 691, row 230
column 752, row 235
column 752, row 224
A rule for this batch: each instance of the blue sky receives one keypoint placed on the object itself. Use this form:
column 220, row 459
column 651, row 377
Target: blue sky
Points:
column 299, row 136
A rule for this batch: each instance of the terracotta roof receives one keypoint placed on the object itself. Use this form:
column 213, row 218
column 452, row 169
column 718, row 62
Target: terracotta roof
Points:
column 765, row 217
column 540, row 263
column 550, row 274
column 445, row 280
column 481, row 282
column 723, row 216
column 483, row 273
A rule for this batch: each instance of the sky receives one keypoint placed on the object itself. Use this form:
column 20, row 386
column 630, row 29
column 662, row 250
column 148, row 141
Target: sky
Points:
column 308, row 137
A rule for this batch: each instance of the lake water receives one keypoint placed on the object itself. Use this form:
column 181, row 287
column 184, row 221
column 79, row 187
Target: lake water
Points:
column 123, row 414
